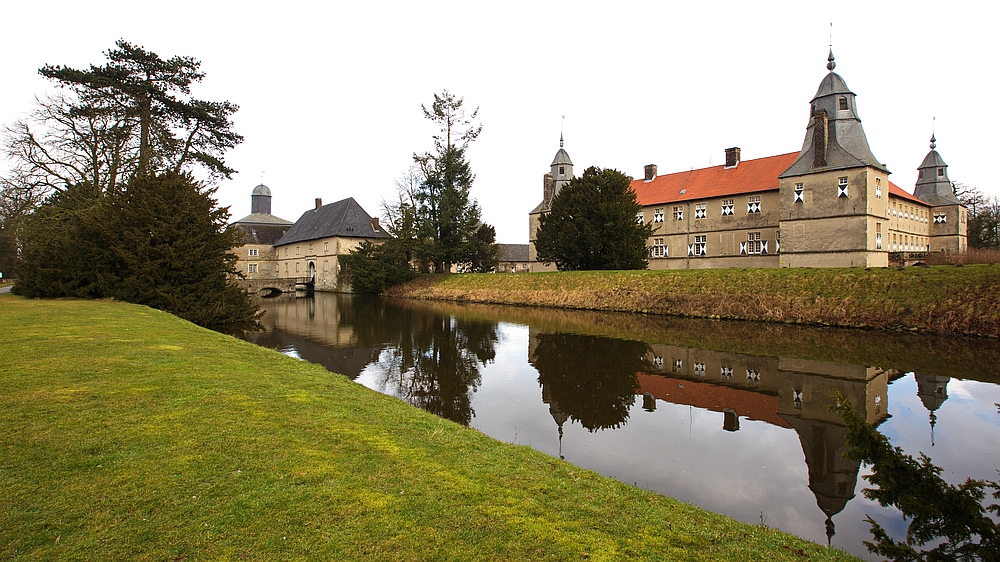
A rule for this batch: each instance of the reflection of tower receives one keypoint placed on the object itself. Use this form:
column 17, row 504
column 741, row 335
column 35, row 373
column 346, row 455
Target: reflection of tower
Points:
column 832, row 477
column 933, row 391
column 558, row 415
column 807, row 390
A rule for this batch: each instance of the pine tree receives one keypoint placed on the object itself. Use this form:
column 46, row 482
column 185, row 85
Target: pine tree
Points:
column 447, row 217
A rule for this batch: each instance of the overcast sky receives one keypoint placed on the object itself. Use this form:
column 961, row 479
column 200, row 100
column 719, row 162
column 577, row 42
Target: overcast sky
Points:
column 330, row 92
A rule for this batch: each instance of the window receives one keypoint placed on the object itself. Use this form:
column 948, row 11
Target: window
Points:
column 678, row 213
column 752, row 244
column 777, row 241
column 253, row 252
column 843, row 102
column 727, row 207
column 842, row 187
column 658, row 215
column 753, row 204
column 286, row 251
column 700, row 246
column 878, row 188
column 753, row 377
column 562, row 170
column 639, row 218
column 700, row 210
column 940, row 172
column 659, row 249
column 326, row 247
column 251, row 268
column 699, row 369
column 296, row 250
column 286, row 268
column 726, row 373
column 799, row 190
column 678, row 365
column 326, row 265
column 940, row 218
column 878, row 236
column 296, row 267
column 310, row 247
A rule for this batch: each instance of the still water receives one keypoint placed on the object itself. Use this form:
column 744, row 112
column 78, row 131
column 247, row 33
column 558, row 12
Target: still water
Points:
column 729, row 416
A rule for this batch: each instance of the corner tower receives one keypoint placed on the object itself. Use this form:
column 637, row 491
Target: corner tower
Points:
column 949, row 229
column 834, row 197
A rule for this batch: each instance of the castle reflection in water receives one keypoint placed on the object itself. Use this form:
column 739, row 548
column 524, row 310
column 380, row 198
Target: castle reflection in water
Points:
column 592, row 368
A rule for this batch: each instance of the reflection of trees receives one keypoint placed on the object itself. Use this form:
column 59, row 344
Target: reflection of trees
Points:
column 952, row 518
column 593, row 379
column 430, row 360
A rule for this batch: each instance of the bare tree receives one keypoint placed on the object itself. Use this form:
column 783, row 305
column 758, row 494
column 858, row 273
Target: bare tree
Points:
column 61, row 143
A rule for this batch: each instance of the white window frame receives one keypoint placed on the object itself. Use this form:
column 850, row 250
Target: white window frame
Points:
column 799, row 193
column 251, row 268
column 701, row 210
column 728, row 207
column 842, row 188
column 658, row 215
column 753, row 204
column 679, row 213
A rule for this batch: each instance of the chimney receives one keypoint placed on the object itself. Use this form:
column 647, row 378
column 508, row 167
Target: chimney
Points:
column 547, row 191
column 732, row 157
column 650, row 172
column 319, row 202
column 375, row 224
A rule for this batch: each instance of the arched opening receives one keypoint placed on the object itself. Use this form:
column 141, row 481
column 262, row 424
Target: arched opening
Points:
column 312, row 271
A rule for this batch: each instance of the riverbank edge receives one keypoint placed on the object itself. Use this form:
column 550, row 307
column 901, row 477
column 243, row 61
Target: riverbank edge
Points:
column 944, row 300
column 207, row 462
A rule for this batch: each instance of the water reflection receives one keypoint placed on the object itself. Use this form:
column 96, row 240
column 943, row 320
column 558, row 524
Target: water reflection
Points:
column 629, row 396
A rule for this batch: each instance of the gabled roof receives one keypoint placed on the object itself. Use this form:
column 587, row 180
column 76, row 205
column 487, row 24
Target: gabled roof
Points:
column 749, row 176
column 512, row 252
column 344, row 218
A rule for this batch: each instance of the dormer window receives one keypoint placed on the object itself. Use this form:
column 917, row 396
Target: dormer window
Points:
column 843, row 102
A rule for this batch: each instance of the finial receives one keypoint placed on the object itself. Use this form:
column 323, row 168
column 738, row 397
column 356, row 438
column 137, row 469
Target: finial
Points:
column 561, row 125
column 830, row 65
column 933, row 139
column 560, row 140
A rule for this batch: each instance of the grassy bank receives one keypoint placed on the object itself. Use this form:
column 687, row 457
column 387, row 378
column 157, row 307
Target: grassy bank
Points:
column 942, row 299
column 130, row 434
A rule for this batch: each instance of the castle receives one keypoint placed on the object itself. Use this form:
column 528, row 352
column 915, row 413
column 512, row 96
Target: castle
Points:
column 829, row 205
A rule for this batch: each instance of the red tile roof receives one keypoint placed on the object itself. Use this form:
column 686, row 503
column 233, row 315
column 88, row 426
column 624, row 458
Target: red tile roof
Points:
column 899, row 192
column 750, row 176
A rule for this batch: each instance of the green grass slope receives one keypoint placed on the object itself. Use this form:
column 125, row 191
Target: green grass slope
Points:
column 940, row 299
column 131, row 434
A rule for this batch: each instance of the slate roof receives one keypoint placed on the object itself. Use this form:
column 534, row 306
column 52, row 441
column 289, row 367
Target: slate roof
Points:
column 512, row 252
column 262, row 218
column 749, row 176
column 261, row 233
column 344, row 218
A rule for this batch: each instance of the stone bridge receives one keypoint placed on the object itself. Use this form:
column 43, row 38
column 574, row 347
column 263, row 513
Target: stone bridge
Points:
column 273, row 287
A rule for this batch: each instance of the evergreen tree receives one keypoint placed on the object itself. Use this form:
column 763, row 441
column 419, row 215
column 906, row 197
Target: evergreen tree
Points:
column 160, row 242
column 64, row 251
column 447, row 219
column 484, row 254
column 173, row 251
column 592, row 225
column 373, row 267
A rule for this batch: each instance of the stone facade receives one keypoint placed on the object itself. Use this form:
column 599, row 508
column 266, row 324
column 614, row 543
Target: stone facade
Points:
column 829, row 205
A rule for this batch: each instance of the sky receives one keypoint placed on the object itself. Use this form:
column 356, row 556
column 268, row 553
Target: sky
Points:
column 330, row 93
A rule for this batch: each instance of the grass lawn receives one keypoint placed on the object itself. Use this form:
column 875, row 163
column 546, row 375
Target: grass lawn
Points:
column 940, row 299
column 130, row 434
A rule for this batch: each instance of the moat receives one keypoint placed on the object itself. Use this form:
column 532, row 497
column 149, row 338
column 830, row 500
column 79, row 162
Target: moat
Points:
column 732, row 417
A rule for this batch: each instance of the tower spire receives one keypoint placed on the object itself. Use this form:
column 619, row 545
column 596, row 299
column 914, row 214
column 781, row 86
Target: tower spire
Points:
column 933, row 139
column 830, row 64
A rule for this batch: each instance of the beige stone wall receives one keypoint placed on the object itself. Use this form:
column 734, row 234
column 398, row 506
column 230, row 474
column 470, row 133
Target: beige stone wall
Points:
column 292, row 260
column 263, row 261
column 951, row 235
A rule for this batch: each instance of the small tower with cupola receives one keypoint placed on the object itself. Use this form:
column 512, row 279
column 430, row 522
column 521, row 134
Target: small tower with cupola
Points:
column 949, row 227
